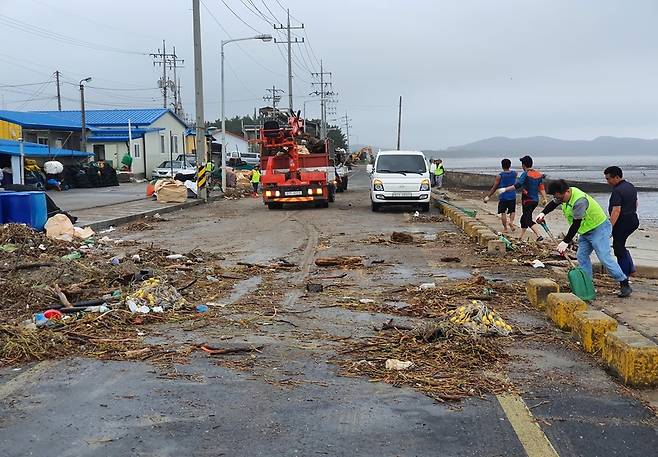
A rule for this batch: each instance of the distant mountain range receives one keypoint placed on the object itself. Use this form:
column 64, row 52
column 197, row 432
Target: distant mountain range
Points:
column 543, row 145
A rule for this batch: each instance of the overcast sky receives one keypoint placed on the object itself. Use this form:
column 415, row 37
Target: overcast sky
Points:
column 467, row 70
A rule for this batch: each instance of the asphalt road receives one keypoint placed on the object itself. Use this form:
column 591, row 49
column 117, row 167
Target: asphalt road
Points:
column 290, row 400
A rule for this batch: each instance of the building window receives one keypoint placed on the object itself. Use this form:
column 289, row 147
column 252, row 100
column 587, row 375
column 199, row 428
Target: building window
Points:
column 163, row 147
column 176, row 145
column 42, row 140
column 99, row 152
column 136, row 151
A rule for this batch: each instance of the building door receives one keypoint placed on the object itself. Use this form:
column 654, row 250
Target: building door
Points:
column 99, row 152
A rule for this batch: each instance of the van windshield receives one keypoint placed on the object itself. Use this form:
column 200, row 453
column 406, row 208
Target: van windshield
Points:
column 401, row 164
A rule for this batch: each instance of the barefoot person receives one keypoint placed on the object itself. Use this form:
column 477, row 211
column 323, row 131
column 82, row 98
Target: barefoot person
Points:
column 589, row 221
column 506, row 200
column 531, row 183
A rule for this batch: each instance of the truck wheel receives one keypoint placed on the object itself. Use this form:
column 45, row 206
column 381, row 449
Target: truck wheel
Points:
column 424, row 207
column 375, row 207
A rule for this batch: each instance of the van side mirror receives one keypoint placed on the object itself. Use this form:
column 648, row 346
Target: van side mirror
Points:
column 369, row 168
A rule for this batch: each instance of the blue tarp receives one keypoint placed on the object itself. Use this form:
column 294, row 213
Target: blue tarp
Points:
column 34, row 150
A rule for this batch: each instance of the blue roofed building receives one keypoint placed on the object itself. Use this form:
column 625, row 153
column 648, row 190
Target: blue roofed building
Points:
column 156, row 134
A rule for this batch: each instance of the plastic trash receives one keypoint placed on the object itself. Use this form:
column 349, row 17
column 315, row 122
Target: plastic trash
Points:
column 72, row 256
column 367, row 301
column 52, row 314
column 115, row 260
column 40, row 320
column 427, row 285
column 398, row 365
column 537, row 264
column 136, row 258
column 9, row 247
column 202, row 308
column 59, row 227
column 175, row 257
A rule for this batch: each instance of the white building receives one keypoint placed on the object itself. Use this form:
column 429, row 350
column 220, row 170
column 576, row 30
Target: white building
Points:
column 156, row 135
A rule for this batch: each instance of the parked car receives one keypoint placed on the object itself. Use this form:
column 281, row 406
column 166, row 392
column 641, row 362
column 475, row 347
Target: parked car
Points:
column 190, row 158
column 235, row 158
column 174, row 168
column 400, row 178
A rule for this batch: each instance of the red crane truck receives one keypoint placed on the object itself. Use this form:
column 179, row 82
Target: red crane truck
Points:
column 290, row 176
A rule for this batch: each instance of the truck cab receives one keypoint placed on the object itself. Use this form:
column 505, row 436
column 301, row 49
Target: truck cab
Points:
column 400, row 178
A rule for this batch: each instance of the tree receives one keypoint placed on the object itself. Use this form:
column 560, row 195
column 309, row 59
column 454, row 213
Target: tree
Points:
column 234, row 124
column 335, row 134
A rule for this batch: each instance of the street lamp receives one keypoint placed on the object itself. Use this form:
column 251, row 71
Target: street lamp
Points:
column 257, row 37
column 83, row 137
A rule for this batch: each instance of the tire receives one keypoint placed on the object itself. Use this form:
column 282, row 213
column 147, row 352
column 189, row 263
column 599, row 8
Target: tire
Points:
column 424, row 207
column 375, row 207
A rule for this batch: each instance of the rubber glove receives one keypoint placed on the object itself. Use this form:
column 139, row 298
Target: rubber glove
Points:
column 540, row 218
column 562, row 247
column 486, row 199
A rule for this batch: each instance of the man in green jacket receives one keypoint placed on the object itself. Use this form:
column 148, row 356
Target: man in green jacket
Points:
column 590, row 222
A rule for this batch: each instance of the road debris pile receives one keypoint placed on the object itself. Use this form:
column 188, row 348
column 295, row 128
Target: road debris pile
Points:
column 92, row 297
column 446, row 365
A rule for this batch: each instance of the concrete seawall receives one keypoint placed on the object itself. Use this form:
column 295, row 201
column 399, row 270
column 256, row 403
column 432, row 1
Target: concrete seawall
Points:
column 481, row 181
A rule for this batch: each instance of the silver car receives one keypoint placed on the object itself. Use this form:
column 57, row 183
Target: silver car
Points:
column 172, row 168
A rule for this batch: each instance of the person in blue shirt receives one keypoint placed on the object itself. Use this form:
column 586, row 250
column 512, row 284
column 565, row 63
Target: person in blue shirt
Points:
column 506, row 200
column 531, row 184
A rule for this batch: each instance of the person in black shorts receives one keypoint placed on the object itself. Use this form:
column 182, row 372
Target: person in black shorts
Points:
column 506, row 200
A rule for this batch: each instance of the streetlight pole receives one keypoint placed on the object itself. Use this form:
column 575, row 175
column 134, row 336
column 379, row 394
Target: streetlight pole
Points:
column 83, row 133
column 224, row 42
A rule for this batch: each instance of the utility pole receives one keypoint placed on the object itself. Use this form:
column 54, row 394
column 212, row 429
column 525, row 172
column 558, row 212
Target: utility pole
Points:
column 59, row 95
column 198, row 94
column 167, row 61
column 347, row 121
column 274, row 97
column 323, row 99
column 289, row 42
column 399, row 121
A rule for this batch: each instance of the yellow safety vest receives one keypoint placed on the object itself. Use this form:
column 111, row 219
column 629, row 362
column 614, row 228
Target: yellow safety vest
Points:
column 255, row 176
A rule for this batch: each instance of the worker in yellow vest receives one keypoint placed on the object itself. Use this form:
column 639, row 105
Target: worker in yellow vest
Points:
column 590, row 222
column 439, row 171
column 255, row 179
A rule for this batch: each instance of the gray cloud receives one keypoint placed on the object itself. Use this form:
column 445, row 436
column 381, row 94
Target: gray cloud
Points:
column 466, row 69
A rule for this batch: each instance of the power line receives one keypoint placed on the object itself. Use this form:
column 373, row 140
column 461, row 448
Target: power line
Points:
column 36, row 94
column 270, row 11
column 23, row 85
column 238, row 44
column 240, row 19
column 45, row 33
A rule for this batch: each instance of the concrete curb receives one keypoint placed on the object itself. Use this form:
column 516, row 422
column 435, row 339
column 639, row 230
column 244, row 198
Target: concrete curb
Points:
column 627, row 354
column 471, row 226
column 460, row 219
column 106, row 223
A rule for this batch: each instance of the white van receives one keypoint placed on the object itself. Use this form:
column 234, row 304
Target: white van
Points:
column 400, row 178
